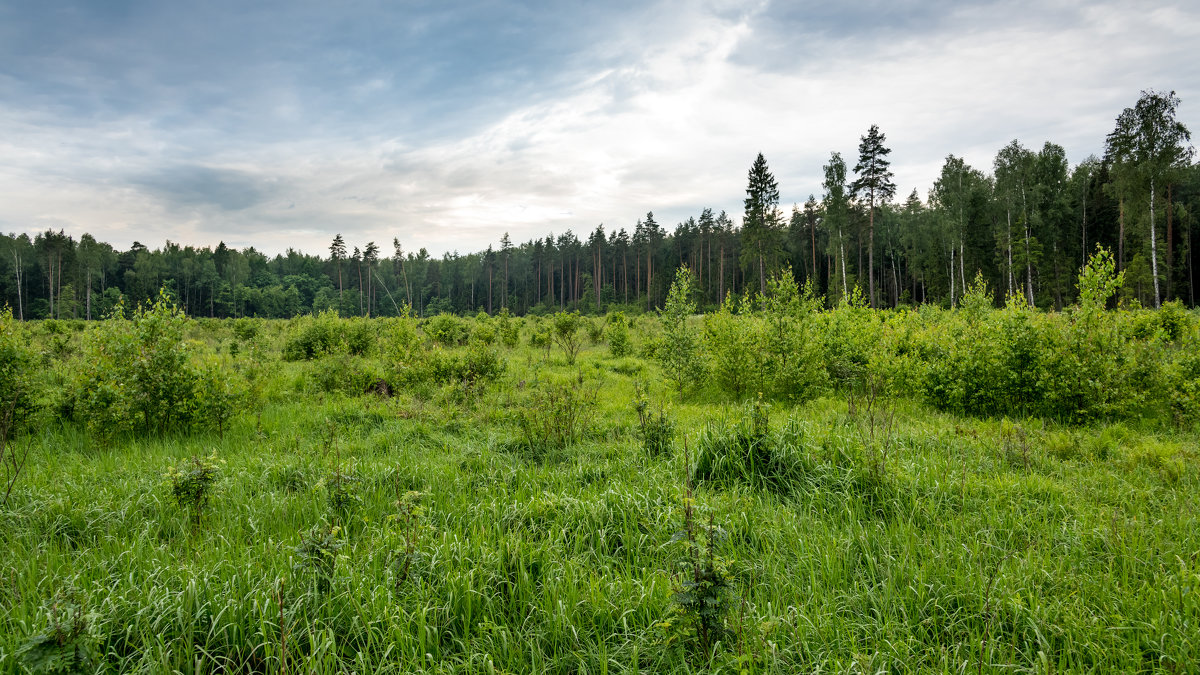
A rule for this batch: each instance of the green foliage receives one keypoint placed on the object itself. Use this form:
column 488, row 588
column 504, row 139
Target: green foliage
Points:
column 246, row 329
column 656, row 429
column 1099, row 281
column 138, row 374
column 680, row 354
column 703, row 594
column 617, row 334
column 360, row 336
column 594, row 329
column 792, row 358
column 479, row 364
column 340, row 491
column 219, row 395
column 555, row 415
column 509, row 329
column 410, row 522
column 312, row 337
column 745, row 452
column 447, row 330
column 317, row 555
column 540, row 338
column 1184, row 383
column 729, row 346
column 192, row 483
column 66, row 645
column 565, row 333
column 18, row 384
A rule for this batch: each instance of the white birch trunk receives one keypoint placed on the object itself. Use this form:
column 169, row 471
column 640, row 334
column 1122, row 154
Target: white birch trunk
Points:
column 1153, row 246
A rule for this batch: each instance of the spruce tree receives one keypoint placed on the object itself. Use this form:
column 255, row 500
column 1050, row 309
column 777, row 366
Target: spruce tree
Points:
column 760, row 223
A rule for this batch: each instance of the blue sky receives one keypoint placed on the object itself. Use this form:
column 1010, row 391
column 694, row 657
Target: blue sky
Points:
column 279, row 124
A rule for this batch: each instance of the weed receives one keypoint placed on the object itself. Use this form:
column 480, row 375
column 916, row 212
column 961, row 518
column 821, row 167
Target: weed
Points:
column 317, row 554
column 703, row 586
column 192, row 483
column 409, row 519
column 555, row 415
column 655, row 429
column 66, row 645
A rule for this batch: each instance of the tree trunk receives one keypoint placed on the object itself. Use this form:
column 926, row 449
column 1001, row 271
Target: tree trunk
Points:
column 20, row 301
column 1170, row 246
column 842, row 241
column 1153, row 246
column 721, row 277
column 871, row 249
column 762, row 272
column 952, row 276
column 1120, row 233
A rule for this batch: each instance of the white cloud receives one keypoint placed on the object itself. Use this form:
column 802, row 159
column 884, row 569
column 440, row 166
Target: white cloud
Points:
column 670, row 123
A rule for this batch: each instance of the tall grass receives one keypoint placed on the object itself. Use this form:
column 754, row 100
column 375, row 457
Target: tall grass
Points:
column 978, row 545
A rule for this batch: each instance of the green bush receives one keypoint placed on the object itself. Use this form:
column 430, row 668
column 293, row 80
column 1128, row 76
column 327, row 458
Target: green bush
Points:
column 311, row 337
column 447, row 330
column 617, row 334
column 680, row 355
column 139, row 374
column 18, row 384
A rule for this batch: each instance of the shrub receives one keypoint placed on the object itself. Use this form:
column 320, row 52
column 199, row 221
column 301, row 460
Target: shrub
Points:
column 317, row 554
column 138, row 373
column 192, row 482
column 555, row 415
column 67, row 644
column 744, row 452
column 17, row 401
column 656, row 430
column 447, row 330
column 728, row 344
column 617, row 333
column 565, row 333
column 312, row 337
column 703, row 594
column 246, row 329
column 792, row 361
column 510, row 329
column 340, row 492
column 680, row 352
column 360, row 336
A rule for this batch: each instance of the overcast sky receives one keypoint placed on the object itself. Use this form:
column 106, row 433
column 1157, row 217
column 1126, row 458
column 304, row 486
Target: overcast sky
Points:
column 279, row 124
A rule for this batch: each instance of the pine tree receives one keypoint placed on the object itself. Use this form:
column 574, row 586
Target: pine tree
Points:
column 760, row 222
column 337, row 251
column 875, row 182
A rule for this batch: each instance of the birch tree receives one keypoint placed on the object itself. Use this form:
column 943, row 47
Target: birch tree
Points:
column 1148, row 143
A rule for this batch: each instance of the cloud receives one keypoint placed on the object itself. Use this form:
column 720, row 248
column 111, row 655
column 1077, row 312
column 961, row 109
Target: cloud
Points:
column 281, row 125
column 202, row 187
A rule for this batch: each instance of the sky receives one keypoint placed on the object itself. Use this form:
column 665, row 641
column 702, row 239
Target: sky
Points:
column 279, row 124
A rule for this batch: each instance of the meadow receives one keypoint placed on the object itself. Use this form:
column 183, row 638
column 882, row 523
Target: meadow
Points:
column 774, row 487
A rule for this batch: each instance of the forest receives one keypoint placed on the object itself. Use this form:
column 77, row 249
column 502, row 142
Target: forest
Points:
column 1027, row 225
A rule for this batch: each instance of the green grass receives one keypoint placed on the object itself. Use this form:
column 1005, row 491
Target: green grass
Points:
column 963, row 550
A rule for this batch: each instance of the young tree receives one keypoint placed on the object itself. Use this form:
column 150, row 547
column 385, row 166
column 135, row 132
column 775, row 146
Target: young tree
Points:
column 875, row 182
column 1147, row 143
column 760, row 223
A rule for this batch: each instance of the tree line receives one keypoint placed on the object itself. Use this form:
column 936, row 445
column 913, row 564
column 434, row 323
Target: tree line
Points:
column 1027, row 224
